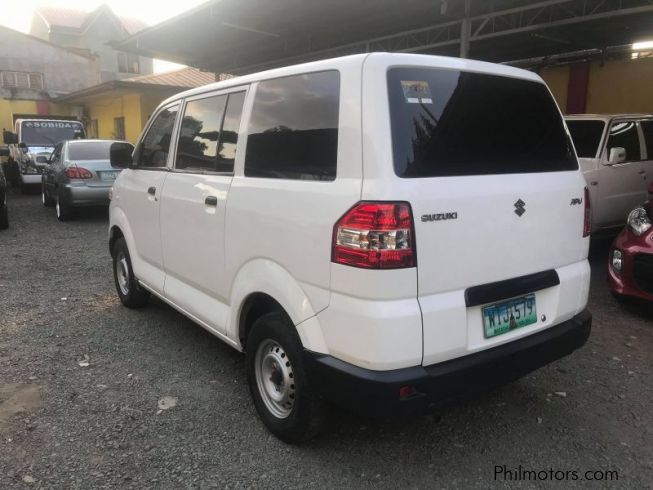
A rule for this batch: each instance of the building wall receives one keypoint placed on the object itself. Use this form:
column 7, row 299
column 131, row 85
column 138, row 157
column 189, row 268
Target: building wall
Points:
column 93, row 40
column 557, row 78
column 62, row 70
column 106, row 110
column 614, row 86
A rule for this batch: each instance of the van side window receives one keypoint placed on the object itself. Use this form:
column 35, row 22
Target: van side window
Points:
column 647, row 129
column 156, row 144
column 229, row 133
column 624, row 134
column 293, row 130
column 200, row 131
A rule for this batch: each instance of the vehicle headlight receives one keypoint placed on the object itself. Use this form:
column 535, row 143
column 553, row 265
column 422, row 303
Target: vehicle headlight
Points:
column 617, row 261
column 639, row 221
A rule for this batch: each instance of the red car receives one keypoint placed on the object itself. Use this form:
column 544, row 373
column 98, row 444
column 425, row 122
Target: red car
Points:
column 630, row 264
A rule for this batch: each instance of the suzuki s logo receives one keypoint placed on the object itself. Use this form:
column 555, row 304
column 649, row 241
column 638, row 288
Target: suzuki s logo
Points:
column 575, row 201
column 439, row 216
column 520, row 207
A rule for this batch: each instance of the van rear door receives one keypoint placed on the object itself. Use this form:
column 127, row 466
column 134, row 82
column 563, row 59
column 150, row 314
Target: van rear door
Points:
column 487, row 165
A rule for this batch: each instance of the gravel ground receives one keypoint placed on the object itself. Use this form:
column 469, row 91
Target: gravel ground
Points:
column 81, row 378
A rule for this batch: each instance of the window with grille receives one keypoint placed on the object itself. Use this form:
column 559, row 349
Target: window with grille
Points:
column 36, row 81
column 128, row 63
column 19, row 79
column 8, row 79
column 119, row 128
column 22, row 80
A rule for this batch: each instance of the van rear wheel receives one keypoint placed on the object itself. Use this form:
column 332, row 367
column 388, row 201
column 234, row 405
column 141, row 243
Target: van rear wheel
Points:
column 278, row 382
column 4, row 216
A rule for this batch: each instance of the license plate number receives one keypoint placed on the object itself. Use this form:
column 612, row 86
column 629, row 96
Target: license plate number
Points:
column 509, row 315
column 110, row 175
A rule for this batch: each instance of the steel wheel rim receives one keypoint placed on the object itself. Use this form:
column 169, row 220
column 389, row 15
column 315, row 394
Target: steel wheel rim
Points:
column 122, row 273
column 275, row 378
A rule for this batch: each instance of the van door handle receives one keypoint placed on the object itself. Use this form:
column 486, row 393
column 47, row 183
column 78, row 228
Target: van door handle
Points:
column 642, row 172
column 211, row 201
column 151, row 190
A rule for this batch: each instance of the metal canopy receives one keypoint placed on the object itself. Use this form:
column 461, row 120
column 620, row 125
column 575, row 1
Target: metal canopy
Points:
column 242, row 36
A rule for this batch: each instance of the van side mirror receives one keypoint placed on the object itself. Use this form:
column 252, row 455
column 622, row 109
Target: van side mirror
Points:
column 617, row 155
column 121, row 154
column 42, row 159
column 4, row 151
column 9, row 137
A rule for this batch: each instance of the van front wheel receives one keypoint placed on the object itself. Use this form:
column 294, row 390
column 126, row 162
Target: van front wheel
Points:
column 129, row 291
column 278, row 382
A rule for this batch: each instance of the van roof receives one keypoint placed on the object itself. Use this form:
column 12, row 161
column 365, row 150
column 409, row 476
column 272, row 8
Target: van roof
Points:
column 389, row 58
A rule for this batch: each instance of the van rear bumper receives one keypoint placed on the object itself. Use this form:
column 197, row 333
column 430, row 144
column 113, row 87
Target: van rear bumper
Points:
column 377, row 392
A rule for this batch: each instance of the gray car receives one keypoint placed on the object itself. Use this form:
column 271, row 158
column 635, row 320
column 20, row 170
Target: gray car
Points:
column 4, row 214
column 78, row 173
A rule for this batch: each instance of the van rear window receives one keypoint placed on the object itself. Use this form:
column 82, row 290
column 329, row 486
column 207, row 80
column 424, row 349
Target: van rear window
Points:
column 453, row 123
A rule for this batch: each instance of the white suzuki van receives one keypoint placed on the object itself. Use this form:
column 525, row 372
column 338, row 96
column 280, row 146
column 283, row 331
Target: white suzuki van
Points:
column 382, row 231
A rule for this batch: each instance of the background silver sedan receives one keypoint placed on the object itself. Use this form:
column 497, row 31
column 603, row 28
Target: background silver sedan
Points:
column 78, row 173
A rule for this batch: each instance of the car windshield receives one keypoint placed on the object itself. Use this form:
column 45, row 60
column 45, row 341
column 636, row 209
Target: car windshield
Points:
column 92, row 150
column 451, row 123
column 586, row 135
column 49, row 133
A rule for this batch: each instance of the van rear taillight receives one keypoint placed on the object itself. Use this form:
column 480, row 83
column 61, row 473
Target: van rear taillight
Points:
column 587, row 221
column 375, row 235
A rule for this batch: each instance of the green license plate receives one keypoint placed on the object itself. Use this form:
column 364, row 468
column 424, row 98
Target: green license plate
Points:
column 509, row 315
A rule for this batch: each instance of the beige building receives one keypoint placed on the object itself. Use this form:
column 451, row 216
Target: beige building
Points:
column 92, row 33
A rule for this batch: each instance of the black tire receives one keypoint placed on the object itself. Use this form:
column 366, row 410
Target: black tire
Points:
column 13, row 174
column 47, row 201
column 624, row 300
column 129, row 291
column 24, row 188
column 307, row 412
column 4, row 217
column 65, row 212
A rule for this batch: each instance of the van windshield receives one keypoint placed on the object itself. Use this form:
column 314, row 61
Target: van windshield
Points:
column 49, row 133
column 452, row 123
column 586, row 135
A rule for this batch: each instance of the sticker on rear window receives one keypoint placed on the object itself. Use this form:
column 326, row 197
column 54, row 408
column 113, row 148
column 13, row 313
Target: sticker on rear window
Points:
column 417, row 92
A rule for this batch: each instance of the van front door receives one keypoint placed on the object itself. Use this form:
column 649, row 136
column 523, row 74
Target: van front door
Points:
column 622, row 186
column 194, row 204
column 140, row 197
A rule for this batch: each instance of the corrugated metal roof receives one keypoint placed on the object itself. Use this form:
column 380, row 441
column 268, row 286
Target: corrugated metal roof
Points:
column 185, row 77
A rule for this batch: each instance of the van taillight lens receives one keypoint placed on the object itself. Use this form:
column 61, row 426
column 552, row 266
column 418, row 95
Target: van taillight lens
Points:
column 375, row 235
column 587, row 222
column 75, row 172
